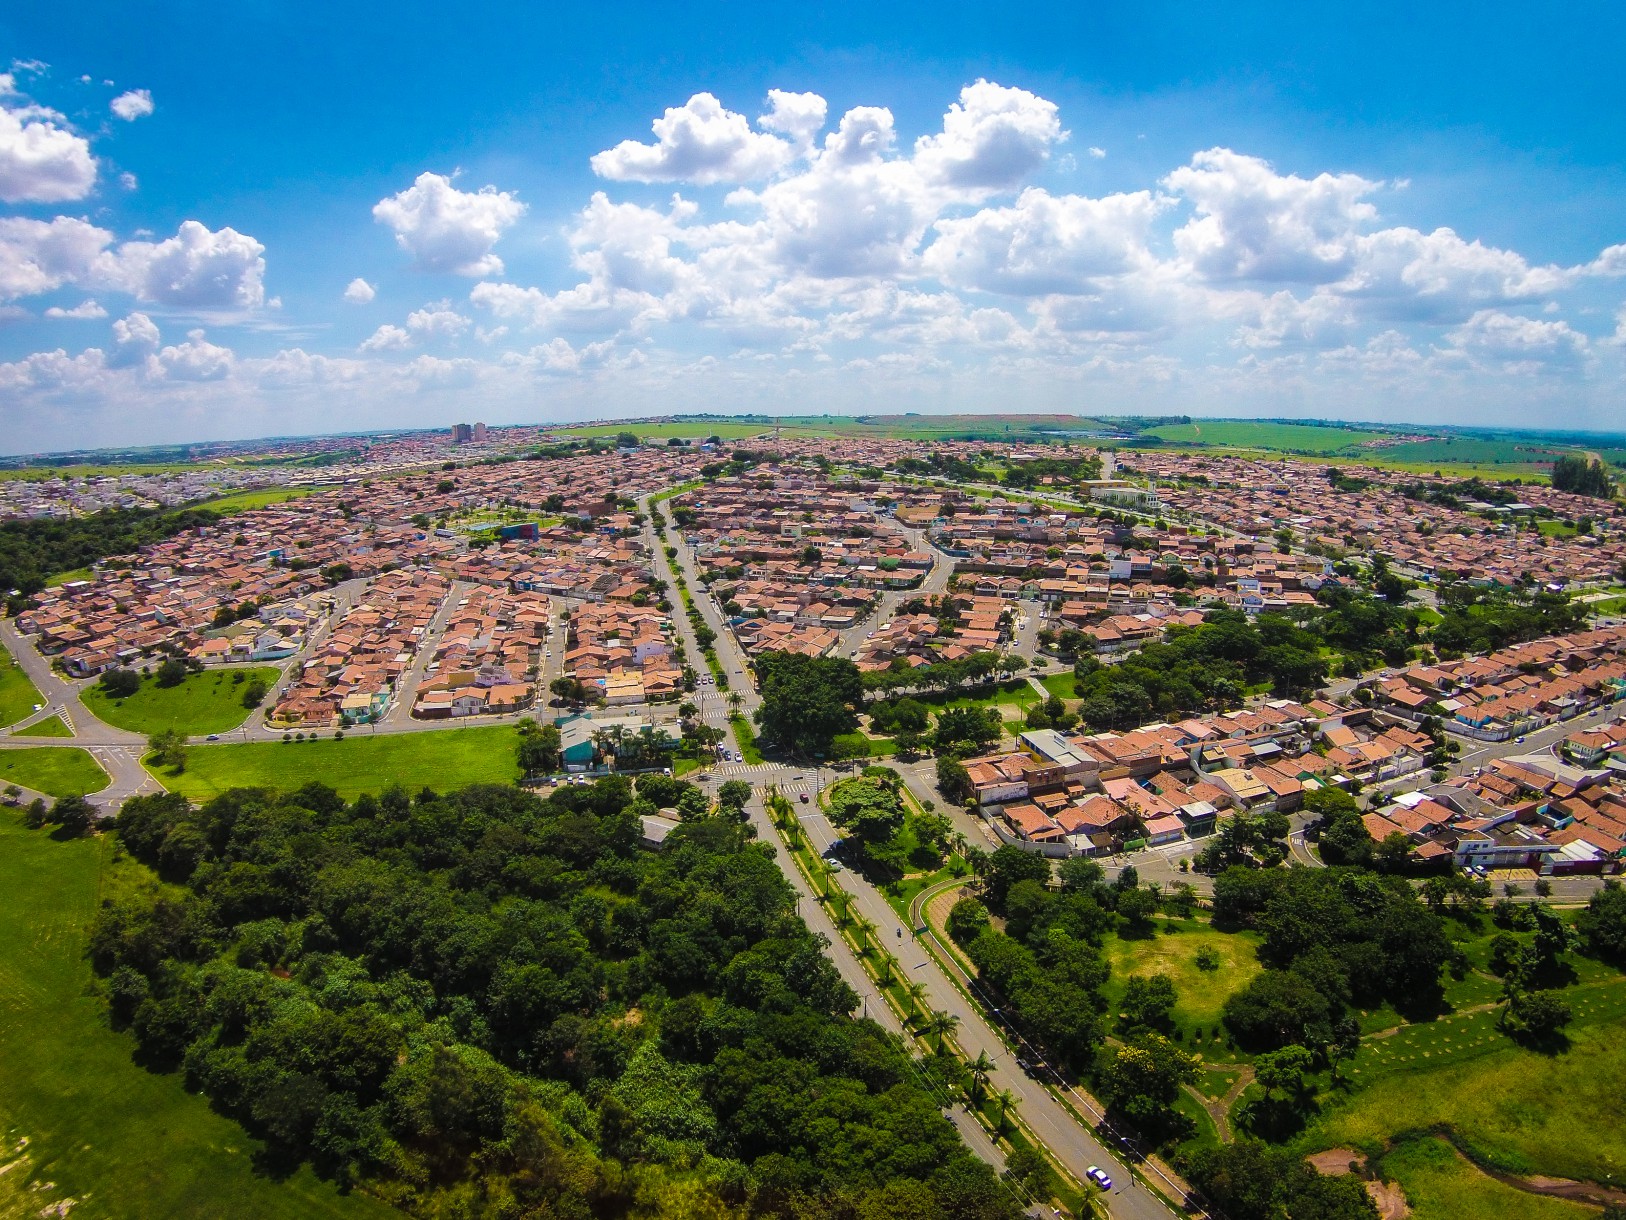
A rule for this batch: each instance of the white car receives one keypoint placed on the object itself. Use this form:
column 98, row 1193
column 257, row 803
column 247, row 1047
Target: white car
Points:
column 1099, row 1176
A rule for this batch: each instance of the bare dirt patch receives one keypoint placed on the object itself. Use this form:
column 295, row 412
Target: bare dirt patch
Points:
column 1335, row 1162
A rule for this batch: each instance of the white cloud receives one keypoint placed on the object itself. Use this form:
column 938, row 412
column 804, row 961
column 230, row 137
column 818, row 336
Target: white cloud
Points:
column 448, row 230
column 1518, row 340
column 134, row 339
column 800, row 116
column 131, row 105
column 39, row 255
column 387, row 338
column 992, row 138
column 81, row 311
column 1097, row 152
column 359, row 292
column 195, row 360
column 1045, row 243
column 198, row 269
column 42, row 160
column 703, row 143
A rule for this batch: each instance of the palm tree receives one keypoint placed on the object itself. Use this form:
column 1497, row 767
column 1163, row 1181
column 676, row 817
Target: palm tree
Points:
column 735, row 702
column 940, row 1025
column 979, row 1069
column 1004, row 1099
column 842, row 906
column 914, row 992
column 863, row 929
column 887, row 963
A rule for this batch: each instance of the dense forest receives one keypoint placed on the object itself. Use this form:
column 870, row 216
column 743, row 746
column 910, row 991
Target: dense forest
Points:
column 34, row 548
column 489, row 1004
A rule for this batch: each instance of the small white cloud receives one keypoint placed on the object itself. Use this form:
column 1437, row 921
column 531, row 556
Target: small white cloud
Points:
column 387, row 338
column 359, row 291
column 42, row 160
column 132, row 105
column 79, row 312
column 1097, row 153
column 195, row 360
column 448, row 230
column 128, row 181
column 703, row 143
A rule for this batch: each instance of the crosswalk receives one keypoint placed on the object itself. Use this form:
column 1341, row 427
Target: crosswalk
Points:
column 750, row 769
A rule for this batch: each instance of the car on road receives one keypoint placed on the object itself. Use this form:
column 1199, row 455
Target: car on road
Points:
column 804, row 798
column 1518, row 741
column 212, row 737
column 1099, row 1176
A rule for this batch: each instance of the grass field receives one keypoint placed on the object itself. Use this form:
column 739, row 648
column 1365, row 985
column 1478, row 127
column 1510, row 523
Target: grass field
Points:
column 242, row 501
column 53, row 770
column 1516, row 1109
column 441, row 759
column 1065, row 685
column 58, row 579
column 1173, row 951
column 664, row 431
column 127, row 1144
column 207, row 702
column 1264, row 434
column 17, row 693
column 1513, row 455
column 1440, row 1185
column 51, row 726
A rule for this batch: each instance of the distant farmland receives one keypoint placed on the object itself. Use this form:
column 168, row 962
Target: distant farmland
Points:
column 1261, row 434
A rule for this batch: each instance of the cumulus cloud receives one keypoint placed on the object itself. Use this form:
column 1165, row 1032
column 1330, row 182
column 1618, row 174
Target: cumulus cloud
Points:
column 798, row 116
column 42, row 159
column 83, row 310
column 41, row 255
column 437, row 321
column 359, row 292
column 703, row 143
column 993, row 137
column 197, row 269
column 387, row 338
column 134, row 339
column 1519, row 341
column 448, row 230
column 195, row 360
column 132, row 105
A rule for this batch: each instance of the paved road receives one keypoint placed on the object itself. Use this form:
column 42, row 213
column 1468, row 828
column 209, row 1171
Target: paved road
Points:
column 1071, row 1143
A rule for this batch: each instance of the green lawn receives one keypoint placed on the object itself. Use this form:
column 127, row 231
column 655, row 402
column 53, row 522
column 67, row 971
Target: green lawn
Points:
column 1065, row 685
column 664, row 431
column 745, row 737
column 1518, row 1110
column 1263, row 434
column 53, row 770
column 442, row 759
column 17, row 693
column 1201, row 993
column 58, row 579
column 51, row 726
column 126, row 1143
column 243, row 501
column 207, row 702
column 1440, row 1185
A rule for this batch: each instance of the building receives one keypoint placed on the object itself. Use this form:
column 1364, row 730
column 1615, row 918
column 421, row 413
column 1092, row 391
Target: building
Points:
column 462, row 434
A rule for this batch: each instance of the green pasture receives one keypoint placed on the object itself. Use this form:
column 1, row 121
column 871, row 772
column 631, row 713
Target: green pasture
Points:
column 1441, row 1185
column 202, row 703
column 243, row 501
column 1172, row 950
column 54, row 770
column 17, row 693
column 120, row 1141
column 442, row 759
column 1264, row 434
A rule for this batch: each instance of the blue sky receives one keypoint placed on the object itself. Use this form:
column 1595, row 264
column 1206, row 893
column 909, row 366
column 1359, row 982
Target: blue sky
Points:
column 1132, row 208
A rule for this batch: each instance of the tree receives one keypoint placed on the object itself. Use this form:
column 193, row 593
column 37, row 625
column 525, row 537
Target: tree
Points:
column 1601, row 927
column 954, row 781
column 168, row 748
column 807, row 701
column 940, row 1025
column 172, row 672
column 1137, row 905
column 733, row 795
column 1005, row 868
column 1249, row 1180
column 966, row 730
column 1148, row 1002
column 254, row 692
column 73, row 813
column 1276, row 1008
column 1537, row 1015
column 1286, row 1070
column 1582, row 474
column 1142, row 1081
column 539, row 748
column 121, row 683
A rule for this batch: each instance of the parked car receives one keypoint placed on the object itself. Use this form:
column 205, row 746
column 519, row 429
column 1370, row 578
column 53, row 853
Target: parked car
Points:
column 1099, row 1176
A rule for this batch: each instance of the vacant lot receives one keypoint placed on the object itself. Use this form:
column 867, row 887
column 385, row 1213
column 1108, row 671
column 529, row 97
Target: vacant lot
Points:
column 1173, row 951
column 53, row 770
column 1440, row 1185
column 1516, row 1109
column 17, row 693
column 1262, row 434
column 242, row 501
column 125, row 1142
column 442, row 759
column 209, row 702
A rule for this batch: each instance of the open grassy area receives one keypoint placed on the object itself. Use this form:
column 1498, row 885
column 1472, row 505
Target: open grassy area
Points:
column 57, row 579
column 51, row 726
column 1440, row 1185
column 666, row 430
column 53, row 770
column 1265, row 434
column 207, row 702
column 442, row 759
column 124, row 1142
column 242, row 501
column 17, row 693
column 1173, row 950
column 1519, row 1110
column 1065, row 685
